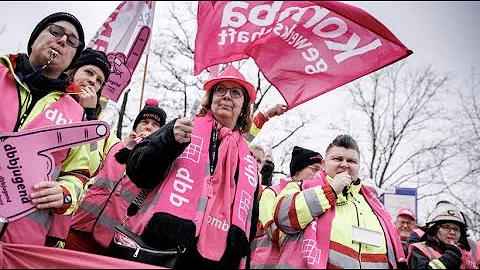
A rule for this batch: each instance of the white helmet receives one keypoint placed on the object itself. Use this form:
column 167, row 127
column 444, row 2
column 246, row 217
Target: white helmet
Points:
column 446, row 211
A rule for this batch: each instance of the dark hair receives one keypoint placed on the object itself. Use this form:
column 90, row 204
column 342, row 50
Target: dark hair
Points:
column 244, row 121
column 345, row 141
column 98, row 106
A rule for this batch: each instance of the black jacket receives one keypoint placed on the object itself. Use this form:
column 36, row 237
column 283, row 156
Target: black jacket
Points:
column 147, row 164
column 451, row 255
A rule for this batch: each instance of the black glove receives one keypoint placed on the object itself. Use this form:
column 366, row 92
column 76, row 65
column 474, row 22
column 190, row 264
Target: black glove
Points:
column 122, row 155
column 452, row 257
column 267, row 173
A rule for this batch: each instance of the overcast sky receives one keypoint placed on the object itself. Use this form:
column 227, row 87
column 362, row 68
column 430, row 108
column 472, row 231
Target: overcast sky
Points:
column 443, row 34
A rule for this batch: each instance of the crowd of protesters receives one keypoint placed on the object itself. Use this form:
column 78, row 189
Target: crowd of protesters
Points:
column 202, row 169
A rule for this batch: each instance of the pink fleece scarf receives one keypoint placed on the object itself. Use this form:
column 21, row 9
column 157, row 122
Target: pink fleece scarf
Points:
column 188, row 187
column 316, row 238
column 220, row 203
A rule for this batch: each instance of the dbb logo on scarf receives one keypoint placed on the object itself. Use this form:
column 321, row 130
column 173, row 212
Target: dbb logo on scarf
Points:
column 180, row 185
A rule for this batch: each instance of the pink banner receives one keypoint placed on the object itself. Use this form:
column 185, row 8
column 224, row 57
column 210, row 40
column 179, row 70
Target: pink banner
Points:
column 17, row 256
column 124, row 37
column 26, row 159
column 304, row 48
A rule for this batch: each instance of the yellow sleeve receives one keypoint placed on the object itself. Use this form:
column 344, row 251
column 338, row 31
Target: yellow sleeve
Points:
column 296, row 208
column 73, row 177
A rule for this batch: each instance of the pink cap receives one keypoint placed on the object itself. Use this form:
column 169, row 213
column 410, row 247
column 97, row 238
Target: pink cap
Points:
column 406, row 212
column 232, row 74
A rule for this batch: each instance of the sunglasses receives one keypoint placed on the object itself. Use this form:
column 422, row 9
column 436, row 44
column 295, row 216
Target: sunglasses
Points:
column 58, row 31
column 235, row 92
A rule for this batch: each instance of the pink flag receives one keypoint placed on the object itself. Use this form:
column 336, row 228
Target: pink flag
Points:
column 124, row 37
column 304, row 48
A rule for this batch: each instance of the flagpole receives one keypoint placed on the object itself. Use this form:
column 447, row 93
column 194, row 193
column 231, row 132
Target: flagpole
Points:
column 143, row 84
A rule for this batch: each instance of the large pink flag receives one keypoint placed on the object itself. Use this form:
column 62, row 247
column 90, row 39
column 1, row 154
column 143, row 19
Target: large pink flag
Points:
column 304, row 48
column 124, row 37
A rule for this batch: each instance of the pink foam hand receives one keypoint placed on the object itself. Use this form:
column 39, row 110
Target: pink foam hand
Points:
column 123, row 66
column 26, row 159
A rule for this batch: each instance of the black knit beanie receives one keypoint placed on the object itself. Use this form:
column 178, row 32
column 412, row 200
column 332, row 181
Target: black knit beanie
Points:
column 97, row 58
column 302, row 157
column 55, row 17
column 151, row 110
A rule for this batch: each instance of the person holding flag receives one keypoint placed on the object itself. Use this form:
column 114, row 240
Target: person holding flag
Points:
column 204, row 180
column 34, row 90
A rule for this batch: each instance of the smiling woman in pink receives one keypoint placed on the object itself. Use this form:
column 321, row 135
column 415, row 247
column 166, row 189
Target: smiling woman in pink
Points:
column 205, row 181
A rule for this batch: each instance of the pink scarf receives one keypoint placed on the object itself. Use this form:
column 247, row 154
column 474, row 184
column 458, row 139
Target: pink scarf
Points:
column 188, row 187
column 316, row 240
column 220, row 203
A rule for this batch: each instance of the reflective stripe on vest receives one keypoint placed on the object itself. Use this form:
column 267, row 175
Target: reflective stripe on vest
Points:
column 346, row 257
column 433, row 256
column 37, row 223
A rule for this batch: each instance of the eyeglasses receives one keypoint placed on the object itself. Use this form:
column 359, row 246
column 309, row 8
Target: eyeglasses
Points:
column 58, row 31
column 408, row 223
column 235, row 92
column 449, row 228
column 315, row 168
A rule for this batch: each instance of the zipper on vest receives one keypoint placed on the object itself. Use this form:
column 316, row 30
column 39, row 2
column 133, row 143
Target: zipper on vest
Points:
column 21, row 120
column 358, row 224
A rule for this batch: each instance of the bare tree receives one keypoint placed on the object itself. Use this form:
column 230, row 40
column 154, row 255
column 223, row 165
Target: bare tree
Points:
column 463, row 185
column 171, row 74
column 400, row 105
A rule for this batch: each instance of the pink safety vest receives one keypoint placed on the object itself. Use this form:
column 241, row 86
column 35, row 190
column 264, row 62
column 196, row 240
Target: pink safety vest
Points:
column 107, row 200
column 265, row 252
column 32, row 229
column 468, row 258
column 292, row 244
column 197, row 157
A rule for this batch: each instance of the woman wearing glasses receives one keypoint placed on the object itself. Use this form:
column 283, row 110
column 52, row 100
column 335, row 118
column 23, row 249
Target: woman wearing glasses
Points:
column 304, row 165
column 32, row 85
column 204, row 179
column 445, row 243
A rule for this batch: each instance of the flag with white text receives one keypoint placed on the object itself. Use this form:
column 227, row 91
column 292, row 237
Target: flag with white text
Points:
column 303, row 48
column 124, row 37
